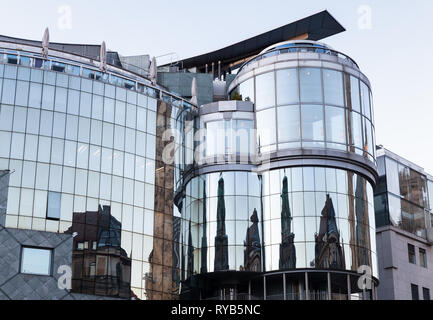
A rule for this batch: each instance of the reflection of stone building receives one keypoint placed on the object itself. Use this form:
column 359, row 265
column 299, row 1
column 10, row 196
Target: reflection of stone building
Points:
column 287, row 248
column 99, row 265
column 253, row 246
column 328, row 250
column 161, row 260
column 176, row 254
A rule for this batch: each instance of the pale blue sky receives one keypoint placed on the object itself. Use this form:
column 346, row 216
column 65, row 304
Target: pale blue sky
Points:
column 395, row 54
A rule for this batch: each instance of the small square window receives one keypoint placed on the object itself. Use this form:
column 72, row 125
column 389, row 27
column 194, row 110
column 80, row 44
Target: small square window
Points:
column 411, row 253
column 36, row 261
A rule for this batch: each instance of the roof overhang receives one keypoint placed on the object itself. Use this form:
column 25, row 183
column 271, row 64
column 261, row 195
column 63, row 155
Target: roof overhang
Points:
column 315, row 27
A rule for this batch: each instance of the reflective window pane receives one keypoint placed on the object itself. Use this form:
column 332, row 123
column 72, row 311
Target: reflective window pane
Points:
column 311, row 85
column 335, row 124
column 333, row 87
column 36, row 261
column 287, row 86
column 54, row 205
column 365, row 100
column 266, row 127
column 246, row 90
column 289, row 127
column 312, row 122
column 265, row 90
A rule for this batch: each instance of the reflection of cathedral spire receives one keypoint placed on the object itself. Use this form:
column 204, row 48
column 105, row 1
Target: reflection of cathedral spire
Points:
column 221, row 239
column 204, row 236
column 329, row 253
column 287, row 248
column 190, row 266
column 361, row 213
column 253, row 253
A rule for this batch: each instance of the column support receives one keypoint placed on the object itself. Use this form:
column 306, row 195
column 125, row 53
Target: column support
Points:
column 349, row 288
column 307, row 287
column 284, row 287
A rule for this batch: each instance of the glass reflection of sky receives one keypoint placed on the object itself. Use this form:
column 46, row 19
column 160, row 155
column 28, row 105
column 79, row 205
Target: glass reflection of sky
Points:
column 36, row 261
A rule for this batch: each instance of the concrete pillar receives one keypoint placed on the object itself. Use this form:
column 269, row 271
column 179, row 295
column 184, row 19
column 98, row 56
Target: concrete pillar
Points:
column 328, row 278
column 249, row 290
column 264, row 287
column 284, row 287
column 349, row 287
column 307, row 287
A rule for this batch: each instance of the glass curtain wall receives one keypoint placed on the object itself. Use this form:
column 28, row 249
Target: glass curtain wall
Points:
column 403, row 198
column 291, row 218
column 311, row 108
column 84, row 158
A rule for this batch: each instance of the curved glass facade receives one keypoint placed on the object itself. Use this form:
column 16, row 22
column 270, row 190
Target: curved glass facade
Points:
column 310, row 108
column 292, row 218
column 83, row 151
column 300, row 213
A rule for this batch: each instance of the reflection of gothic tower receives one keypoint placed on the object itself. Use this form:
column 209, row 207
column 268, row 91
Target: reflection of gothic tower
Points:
column 287, row 248
column 204, row 236
column 221, row 239
column 252, row 252
column 329, row 254
column 190, row 266
column 362, row 232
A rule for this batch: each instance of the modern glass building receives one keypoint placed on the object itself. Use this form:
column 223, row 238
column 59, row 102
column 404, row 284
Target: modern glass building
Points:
column 80, row 154
column 404, row 208
column 281, row 205
column 262, row 188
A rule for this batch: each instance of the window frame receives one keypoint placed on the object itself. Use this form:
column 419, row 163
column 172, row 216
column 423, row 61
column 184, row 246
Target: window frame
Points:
column 422, row 257
column 415, row 294
column 411, row 254
column 50, row 262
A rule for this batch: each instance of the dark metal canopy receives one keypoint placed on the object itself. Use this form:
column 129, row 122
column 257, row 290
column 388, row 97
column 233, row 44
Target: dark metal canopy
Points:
column 315, row 27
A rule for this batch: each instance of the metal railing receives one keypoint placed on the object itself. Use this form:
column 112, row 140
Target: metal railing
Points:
column 319, row 295
column 295, row 49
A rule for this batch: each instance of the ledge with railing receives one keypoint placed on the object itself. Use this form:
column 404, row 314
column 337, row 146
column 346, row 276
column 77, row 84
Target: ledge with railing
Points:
column 297, row 48
column 73, row 68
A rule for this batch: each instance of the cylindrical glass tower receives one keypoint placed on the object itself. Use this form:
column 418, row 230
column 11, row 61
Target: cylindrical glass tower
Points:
column 281, row 204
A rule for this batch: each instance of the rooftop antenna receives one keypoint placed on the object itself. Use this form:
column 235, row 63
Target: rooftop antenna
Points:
column 45, row 43
column 103, row 58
